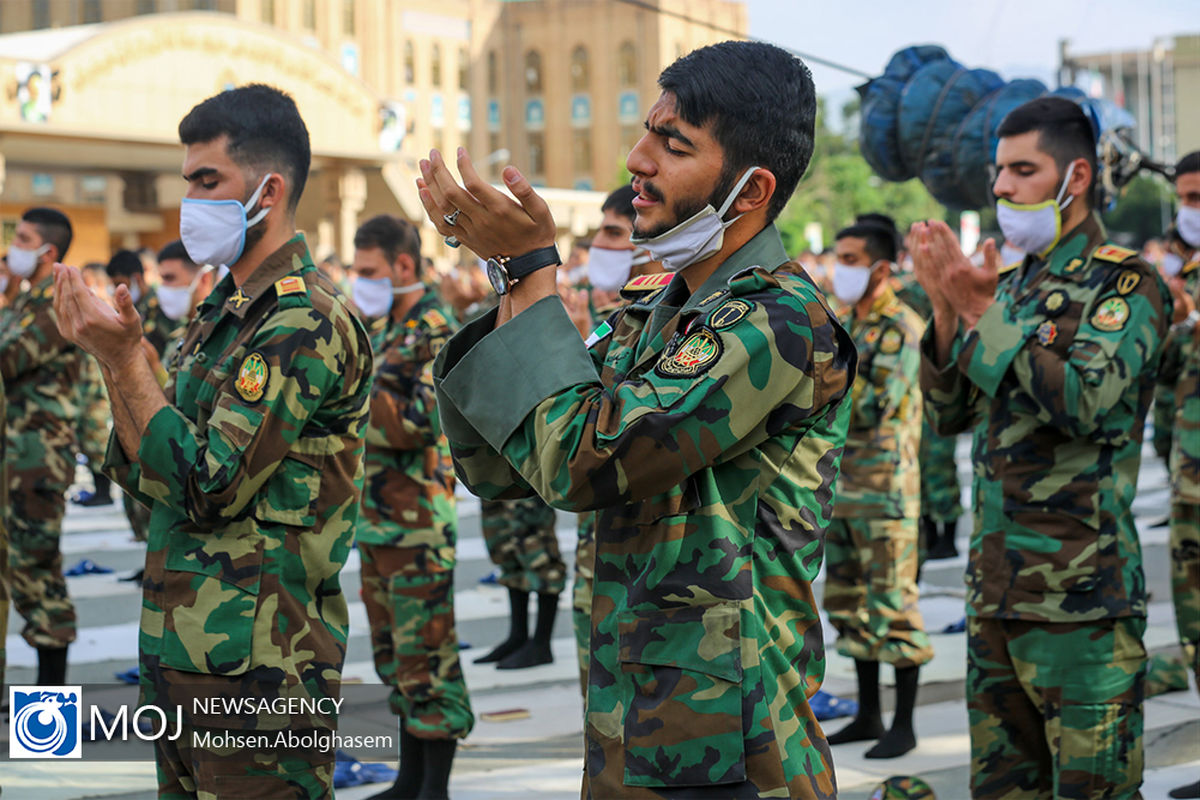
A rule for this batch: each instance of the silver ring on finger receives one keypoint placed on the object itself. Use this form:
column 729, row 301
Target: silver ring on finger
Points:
column 452, row 218
column 452, row 241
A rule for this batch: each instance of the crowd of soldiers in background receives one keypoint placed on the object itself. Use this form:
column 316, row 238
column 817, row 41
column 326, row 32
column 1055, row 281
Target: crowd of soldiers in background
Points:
column 885, row 526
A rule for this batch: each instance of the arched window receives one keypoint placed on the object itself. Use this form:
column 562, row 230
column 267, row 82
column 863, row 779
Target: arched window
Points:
column 410, row 64
column 533, row 72
column 627, row 65
column 435, row 65
column 580, row 73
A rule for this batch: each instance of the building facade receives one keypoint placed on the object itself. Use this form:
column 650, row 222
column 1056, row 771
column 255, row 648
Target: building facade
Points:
column 1157, row 85
column 560, row 88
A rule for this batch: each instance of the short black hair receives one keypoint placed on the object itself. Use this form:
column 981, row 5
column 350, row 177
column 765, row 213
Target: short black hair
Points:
column 620, row 202
column 176, row 251
column 393, row 235
column 887, row 224
column 1064, row 132
column 124, row 264
column 265, row 130
column 762, row 104
column 1189, row 163
column 53, row 226
column 880, row 243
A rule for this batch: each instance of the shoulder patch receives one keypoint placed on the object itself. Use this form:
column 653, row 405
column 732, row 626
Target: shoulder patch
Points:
column 891, row 341
column 1113, row 253
column 598, row 335
column 730, row 313
column 1047, row 332
column 645, row 284
column 1127, row 281
column 1111, row 315
column 694, row 356
column 872, row 335
column 435, row 318
column 1055, row 303
column 252, row 378
column 1007, row 268
column 292, row 284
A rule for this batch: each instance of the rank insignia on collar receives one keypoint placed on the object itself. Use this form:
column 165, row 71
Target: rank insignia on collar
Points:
column 292, row 284
column 1047, row 332
column 711, row 297
column 1111, row 315
column 1111, row 252
column 1073, row 265
column 695, row 356
column 890, row 342
column 1127, row 281
column 239, row 299
column 730, row 314
column 871, row 336
column 1189, row 268
column 252, row 378
column 1055, row 303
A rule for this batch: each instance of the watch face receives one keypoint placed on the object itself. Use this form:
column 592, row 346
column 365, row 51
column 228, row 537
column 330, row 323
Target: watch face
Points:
column 498, row 276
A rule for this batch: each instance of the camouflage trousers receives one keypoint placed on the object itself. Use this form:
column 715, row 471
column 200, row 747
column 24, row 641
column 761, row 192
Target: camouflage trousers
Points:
column 871, row 591
column 409, row 596
column 95, row 415
column 138, row 516
column 581, row 595
column 39, row 590
column 1185, row 580
column 941, row 495
column 520, row 539
column 4, row 582
column 1055, row 709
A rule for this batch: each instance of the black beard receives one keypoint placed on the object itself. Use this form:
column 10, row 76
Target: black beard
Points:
column 688, row 208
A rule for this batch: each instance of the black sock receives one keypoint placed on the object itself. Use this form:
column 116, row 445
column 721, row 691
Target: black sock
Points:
column 901, row 737
column 52, row 666
column 412, row 769
column 439, row 758
column 868, row 723
column 537, row 650
column 518, row 628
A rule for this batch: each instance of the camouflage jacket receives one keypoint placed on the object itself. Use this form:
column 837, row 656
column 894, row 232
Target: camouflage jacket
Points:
column 42, row 372
column 1056, row 378
column 707, row 430
column 912, row 294
column 881, row 476
column 157, row 327
column 1165, row 395
column 254, row 477
column 1180, row 377
column 408, row 497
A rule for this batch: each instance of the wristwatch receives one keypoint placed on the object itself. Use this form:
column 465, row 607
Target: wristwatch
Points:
column 505, row 273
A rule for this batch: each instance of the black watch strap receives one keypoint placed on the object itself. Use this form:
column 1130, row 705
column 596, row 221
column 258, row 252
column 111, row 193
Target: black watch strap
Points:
column 527, row 263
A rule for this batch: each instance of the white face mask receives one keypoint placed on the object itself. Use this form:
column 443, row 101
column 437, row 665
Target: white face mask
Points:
column 1010, row 254
column 608, row 270
column 214, row 231
column 1187, row 222
column 850, row 283
column 1036, row 227
column 1172, row 264
column 373, row 296
column 22, row 262
column 697, row 237
column 174, row 301
column 135, row 292
column 3, row 284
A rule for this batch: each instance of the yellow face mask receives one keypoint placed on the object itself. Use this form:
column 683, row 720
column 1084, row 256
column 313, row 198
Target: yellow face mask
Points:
column 1034, row 227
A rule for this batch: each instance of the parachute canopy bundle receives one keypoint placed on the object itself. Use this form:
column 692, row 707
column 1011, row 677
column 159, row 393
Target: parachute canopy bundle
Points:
column 929, row 117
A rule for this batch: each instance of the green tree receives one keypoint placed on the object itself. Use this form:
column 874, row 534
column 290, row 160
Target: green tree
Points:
column 840, row 184
column 1138, row 215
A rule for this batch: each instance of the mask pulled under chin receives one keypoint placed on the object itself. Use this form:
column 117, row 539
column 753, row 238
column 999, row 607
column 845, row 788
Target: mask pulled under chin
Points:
column 1036, row 227
column 697, row 237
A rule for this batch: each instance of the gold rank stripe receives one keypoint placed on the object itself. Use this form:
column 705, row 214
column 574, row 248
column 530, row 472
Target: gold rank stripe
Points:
column 644, row 283
column 289, row 285
column 1114, row 253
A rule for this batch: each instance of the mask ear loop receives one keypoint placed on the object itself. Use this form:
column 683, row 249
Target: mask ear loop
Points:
column 262, row 212
column 737, row 189
column 1063, row 190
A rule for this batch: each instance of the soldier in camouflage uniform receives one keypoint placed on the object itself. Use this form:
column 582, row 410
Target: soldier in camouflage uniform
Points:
column 125, row 268
column 941, row 495
column 4, row 576
column 704, row 422
column 407, row 533
column 255, row 500
column 42, row 372
column 871, row 548
column 1053, row 370
column 1179, row 392
column 613, row 265
column 91, row 432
